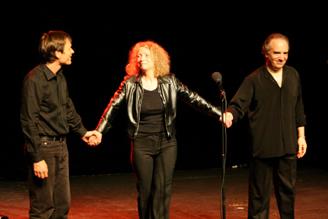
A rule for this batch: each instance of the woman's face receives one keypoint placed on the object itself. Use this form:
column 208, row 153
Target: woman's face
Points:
column 145, row 60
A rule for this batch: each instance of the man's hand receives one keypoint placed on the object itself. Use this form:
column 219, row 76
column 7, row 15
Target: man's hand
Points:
column 40, row 169
column 92, row 138
column 227, row 118
column 302, row 146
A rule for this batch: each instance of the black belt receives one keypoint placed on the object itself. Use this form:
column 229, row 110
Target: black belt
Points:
column 53, row 138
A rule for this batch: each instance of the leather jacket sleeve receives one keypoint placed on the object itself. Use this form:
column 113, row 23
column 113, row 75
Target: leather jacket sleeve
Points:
column 196, row 101
column 112, row 108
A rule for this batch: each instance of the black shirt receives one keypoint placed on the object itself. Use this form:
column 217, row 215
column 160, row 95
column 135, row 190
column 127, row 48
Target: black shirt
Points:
column 274, row 113
column 152, row 113
column 47, row 109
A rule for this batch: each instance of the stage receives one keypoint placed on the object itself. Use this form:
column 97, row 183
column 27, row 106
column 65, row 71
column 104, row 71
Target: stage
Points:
column 196, row 195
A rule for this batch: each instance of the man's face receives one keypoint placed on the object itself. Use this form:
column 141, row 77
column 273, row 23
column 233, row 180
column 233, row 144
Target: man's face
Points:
column 278, row 54
column 65, row 57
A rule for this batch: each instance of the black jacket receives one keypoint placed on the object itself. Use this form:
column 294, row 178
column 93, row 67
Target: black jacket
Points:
column 130, row 93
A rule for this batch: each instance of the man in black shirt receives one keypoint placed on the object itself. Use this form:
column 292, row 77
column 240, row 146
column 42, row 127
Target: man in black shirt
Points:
column 47, row 116
column 272, row 98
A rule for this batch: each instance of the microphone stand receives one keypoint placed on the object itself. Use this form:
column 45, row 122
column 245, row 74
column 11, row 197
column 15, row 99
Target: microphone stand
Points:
column 223, row 152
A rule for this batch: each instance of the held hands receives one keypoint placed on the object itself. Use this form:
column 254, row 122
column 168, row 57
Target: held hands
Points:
column 95, row 140
column 92, row 138
column 227, row 118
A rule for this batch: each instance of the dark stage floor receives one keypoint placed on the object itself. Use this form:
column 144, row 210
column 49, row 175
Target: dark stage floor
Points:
column 196, row 194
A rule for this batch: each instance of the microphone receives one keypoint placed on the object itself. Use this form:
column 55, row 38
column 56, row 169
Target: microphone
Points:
column 217, row 78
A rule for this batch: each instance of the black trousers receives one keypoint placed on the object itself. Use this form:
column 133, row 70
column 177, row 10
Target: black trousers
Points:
column 279, row 173
column 153, row 158
column 50, row 198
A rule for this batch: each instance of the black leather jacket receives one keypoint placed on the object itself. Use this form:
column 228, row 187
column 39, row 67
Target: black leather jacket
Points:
column 130, row 93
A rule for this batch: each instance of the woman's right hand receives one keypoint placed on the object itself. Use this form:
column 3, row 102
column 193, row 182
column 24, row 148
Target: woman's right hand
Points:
column 227, row 118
